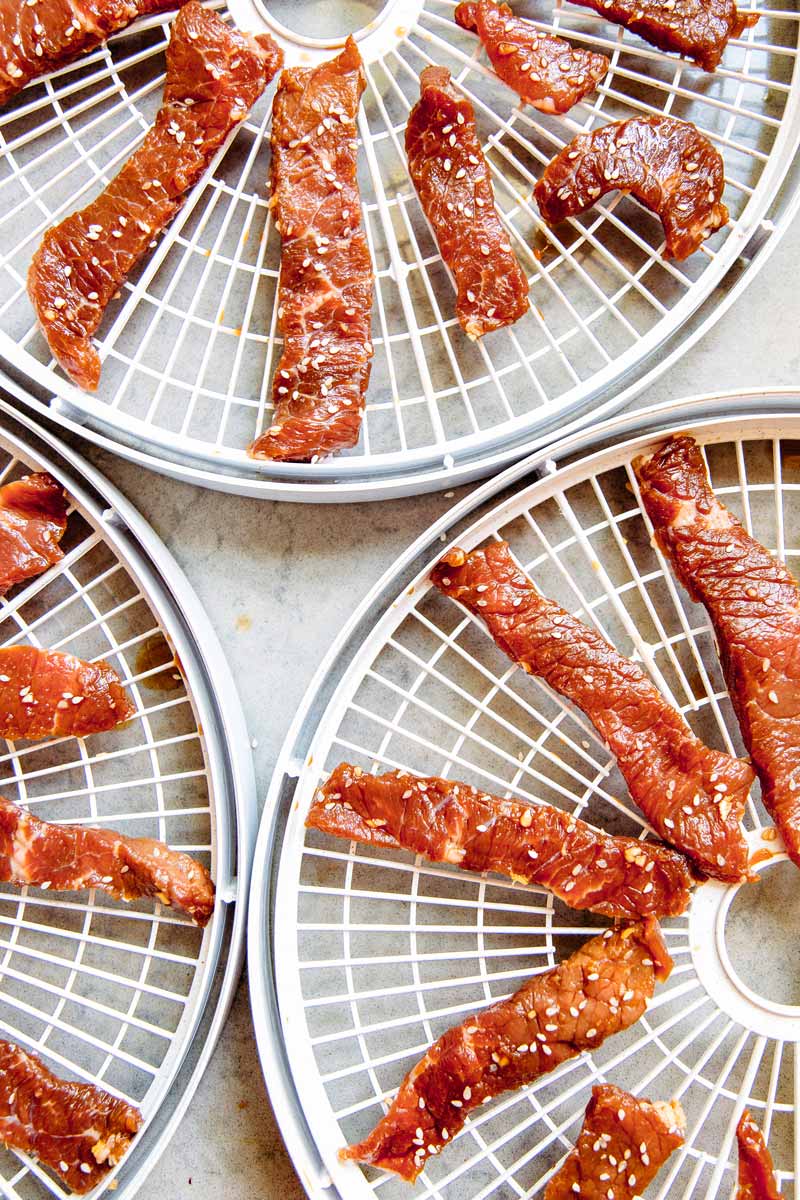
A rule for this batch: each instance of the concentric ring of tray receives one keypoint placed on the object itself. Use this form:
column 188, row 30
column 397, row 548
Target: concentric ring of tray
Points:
column 359, row 957
column 189, row 347
column 132, row 997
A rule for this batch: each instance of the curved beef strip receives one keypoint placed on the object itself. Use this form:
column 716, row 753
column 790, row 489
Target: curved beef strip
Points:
column 668, row 165
column 77, row 857
column 44, row 693
column 451, row 175
column 623, row 1144
column 756, row 1176
column 544, row 70
column 693, row 797
column 214, row 76
column 76, row 1129
column 326, row 281
column 754, row 606
column 695, row 29
column 453, row 822
column 33, row 520
column 37, row 38
column 599, row 990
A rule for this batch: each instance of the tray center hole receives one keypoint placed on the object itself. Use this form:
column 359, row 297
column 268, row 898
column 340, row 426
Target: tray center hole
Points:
column 761, row 934
column 321, row 20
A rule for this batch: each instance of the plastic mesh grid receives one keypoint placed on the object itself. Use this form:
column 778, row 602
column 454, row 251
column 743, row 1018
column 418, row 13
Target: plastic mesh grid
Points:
column 378, row 954
column 190, row 344
column 104, row 991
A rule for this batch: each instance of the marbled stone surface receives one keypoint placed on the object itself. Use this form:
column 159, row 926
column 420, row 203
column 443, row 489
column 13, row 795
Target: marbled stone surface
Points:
column 251, row 563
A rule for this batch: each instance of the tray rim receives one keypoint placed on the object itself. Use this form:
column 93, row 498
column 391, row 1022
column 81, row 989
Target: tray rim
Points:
column 335, row 481
column 669, row 416
column 169, row 588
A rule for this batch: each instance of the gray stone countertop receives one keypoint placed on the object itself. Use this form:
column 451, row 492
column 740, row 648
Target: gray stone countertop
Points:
column 252, row 563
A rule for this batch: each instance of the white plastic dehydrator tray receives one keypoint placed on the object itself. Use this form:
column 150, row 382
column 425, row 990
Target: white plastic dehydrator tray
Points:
column 132, row 997
column 190, row 345
column 359, row 957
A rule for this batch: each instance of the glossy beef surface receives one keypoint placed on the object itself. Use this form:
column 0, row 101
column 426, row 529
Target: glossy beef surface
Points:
column 599, row 990
column 33, row 519
column 668, row 165
column 452, row 178
column 63, row 858
column 326, row 280
column 623, row 1144
column 77, row 1130
column 696, row 29
column 754, row 606
column 693, row 796
column 756, row 1176
column 448, row 821
column 45, row 693
column 36, row 39
column 214, row 76
column 544, row 70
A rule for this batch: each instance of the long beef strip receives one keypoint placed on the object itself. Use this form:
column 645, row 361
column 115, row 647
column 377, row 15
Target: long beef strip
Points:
column 37, row 38
column 33, row 519
column 451, row 175
column 756, row 1175
column 76, row 1129
column 542, row 69
column 326, row 282
column 44, row 693
column 76, row 857
column 214, row 76
column 696, row 29
column 453, row 822
column 623, row 1144
column 754, row 606
column 599, row 990
column 668, row 165
column 693, row 797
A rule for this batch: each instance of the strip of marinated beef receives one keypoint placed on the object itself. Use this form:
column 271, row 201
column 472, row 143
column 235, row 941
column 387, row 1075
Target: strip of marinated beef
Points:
column 451, row 175
column 544, row 70
column 326, row 281
column 754, row 606
column 623, row 1144
column 756, row 1175
column 668, row 165
column 33, row 519
column 599, row 990
column 36, row 39
column 214, row 76
column 453, row 822
column 44, row 693
column 693, row 796
column 696, row 29
column 77, row 857
column 76, row 1129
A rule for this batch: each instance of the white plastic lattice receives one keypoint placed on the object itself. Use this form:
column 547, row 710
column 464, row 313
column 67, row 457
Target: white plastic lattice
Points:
column 376, row 954
column 190, row 345
column 104, row 991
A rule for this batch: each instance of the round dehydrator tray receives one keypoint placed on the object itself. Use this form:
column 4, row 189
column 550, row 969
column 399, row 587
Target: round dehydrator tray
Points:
column 190, row 345
column 359, row 957
column 132, row 997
